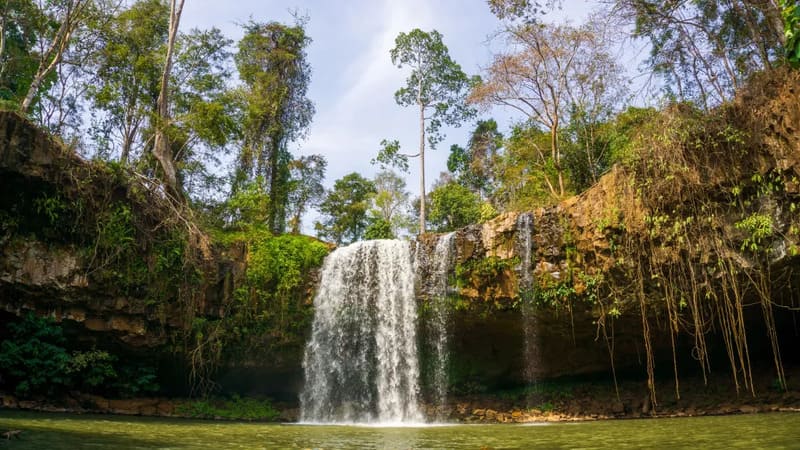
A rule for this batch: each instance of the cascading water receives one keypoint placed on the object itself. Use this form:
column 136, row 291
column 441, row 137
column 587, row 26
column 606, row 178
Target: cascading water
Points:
column 361, row 361
column 524, row 244
column 439, row 317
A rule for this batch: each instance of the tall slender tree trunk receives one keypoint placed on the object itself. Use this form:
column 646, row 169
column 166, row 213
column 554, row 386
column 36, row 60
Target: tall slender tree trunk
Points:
column 422, row 168
column 3, row 38
column 161, row 146
column 52, row 56
column 277, row 187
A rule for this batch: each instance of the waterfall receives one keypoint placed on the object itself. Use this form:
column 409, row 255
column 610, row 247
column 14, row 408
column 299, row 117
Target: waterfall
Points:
column 361, row 361
column 439, row 317
column 524, row 248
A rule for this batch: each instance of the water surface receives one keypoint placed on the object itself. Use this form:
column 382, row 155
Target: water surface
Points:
column 61, row 431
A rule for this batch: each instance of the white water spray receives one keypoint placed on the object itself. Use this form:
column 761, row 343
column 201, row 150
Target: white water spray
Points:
column 361, row 362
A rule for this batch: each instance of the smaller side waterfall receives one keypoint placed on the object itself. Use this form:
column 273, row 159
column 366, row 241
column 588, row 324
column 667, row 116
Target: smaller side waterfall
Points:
column 524, row 248
column 361, row 362
column 441, row 267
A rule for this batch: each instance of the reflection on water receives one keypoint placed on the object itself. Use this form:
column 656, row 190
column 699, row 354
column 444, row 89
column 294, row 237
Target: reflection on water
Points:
column 58, row 431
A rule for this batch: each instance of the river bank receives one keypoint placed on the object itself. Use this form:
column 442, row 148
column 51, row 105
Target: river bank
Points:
column 548, row 401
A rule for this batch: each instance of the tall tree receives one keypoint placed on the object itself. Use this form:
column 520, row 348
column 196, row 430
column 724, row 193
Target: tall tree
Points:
column 204, row 114
column 21, row 24
column 453, row 206
column 68, row 15
column 344, row 209
column 706, row 49
column 437, row 87
column 128, row 69
column 474, row 166
column 548, row 72
column 273, row 66
column 161, row 146
column 524, row 171
column 306, row 189
column 390, row 203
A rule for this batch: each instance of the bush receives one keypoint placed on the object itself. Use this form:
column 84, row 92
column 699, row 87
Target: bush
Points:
column 35, row 361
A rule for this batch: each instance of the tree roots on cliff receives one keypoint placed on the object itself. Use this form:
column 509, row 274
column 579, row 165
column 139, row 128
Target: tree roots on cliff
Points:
column 704, row 221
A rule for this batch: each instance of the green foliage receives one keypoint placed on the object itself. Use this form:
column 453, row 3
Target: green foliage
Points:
column 115, row 253
column 476, row 165
column 436, row 83
column 453, row 206
column 379, row 228
column 305, row 187
column 344, row 209
column 24, row 23
column 278, row 264
column 389, row 155
column 269, row 308
column 128, row 69
column 437, row 86
column 626, row 126
column 487, row 212
column 526, row 11
column 758, row 227
column 234, row 409
column 94, row 366
column 526, row 170
column 558, row 293
column 272, row 64
column 135, row 379
column 247, row 206
column 390, row 205
column 52, row 208
column 790, row 11
column 35, row 360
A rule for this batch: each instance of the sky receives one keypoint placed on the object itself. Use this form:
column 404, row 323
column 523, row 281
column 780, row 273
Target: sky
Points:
column 353, row 79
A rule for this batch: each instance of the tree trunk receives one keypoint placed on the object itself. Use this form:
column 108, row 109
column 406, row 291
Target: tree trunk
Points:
column 52, row 56
column 422, row 168
column 557, row 158
column 276, row 215
column 3, row 39
column 161, row 147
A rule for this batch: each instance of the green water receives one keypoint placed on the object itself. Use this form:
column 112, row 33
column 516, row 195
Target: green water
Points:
column 44, row 431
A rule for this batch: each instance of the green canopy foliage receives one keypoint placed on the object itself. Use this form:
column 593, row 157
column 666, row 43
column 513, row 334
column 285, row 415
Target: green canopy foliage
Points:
column 344, row 210
column 790, row 12
column 453, row 206
column 23, row 22
column 272, row 65
column 474, row 166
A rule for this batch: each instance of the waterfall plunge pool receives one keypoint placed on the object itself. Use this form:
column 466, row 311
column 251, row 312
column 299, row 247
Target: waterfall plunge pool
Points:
column 61, row 431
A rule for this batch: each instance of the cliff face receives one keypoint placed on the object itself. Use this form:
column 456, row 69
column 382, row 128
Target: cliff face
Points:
column 53, row 263
column 685, row 255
